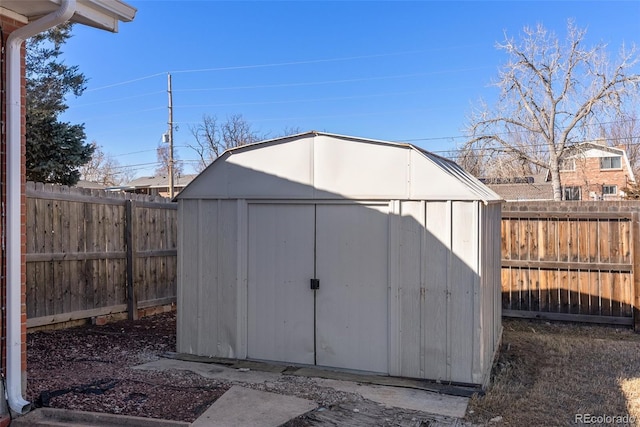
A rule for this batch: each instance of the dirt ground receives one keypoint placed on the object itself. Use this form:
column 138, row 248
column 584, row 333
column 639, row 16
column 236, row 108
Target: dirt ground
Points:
column 88, row 368
column 544, row 376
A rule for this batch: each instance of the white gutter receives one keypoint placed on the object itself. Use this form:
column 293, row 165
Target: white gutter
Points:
column 14, row 227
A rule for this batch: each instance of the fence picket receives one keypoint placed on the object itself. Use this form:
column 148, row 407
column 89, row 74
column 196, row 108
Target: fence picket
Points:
column 93, row 252
column 77, row 253
column 573, row 260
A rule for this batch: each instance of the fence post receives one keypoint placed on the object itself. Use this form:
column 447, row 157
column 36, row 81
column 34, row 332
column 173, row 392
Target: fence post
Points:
column 635, row 227
column 130, row 230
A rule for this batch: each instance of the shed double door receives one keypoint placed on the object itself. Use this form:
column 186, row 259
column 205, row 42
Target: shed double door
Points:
column 341, row 324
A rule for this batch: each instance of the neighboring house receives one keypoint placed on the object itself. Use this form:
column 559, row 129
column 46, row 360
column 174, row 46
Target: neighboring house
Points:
column 591, row 171
column 528, row 188
column 20, row 20
column 90, row 185
column 155, row 185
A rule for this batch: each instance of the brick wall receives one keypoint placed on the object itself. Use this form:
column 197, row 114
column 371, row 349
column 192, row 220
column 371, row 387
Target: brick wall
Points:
column 590, row 178
column 8, row 25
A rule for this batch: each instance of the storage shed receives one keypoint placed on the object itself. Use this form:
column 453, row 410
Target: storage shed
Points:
column 341, row 252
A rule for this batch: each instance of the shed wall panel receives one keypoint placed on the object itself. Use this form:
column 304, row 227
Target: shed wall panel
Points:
column 352, row 266
column 225, row 302
column 280, row 265
column 463, row 316
column 437, row 281
column 449, row 186
column 323, row 166
column 188, row 275
column 486, row 294
column 209, row 280
column 269, row 171
column 495, row 289
column 206, row 292
column 412, row 292
column 381, row 171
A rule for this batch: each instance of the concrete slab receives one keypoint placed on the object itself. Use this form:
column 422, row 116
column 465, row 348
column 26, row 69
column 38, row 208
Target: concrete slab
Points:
column 210, row 370
column 387, row 395
column 406, row 398
column 243, row 407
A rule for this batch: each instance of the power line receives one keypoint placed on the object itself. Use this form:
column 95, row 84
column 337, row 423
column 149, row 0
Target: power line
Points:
column 118, row 99
column 329, row 116
column 313, row 61
column 277, row 64
column 325, row 82
column 293, row 101
column 125, row 82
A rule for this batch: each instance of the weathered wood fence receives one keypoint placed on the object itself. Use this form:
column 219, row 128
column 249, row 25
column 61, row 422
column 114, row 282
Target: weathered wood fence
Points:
column 573, row 261
column 92, row 253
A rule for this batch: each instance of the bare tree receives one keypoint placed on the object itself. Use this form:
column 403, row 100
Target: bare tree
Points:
column 485, row 161
column 236, row 131
column 552, row 93
column 162, row 154
column 206, row 143
column 211, row 138
column 290, row 130
column 104, row 169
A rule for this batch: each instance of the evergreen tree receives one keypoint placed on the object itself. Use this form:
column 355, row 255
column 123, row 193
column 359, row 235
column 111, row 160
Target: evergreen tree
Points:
column 55, row 150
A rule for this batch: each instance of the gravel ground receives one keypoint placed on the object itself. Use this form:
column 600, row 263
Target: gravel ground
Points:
column 88, row 368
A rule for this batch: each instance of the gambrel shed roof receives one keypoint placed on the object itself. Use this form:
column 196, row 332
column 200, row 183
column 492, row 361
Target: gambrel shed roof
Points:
column 324, row 166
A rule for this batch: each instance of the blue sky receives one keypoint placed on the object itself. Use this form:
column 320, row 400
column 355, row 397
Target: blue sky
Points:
column 389, row 70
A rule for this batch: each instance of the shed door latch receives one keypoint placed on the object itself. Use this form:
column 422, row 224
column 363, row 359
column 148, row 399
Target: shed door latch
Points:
column 315, row 284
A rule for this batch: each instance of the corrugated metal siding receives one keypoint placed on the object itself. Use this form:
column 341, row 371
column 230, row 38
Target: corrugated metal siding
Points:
column 436, row 322
column 412, row 292
column 330, row 167
column 358, row 170
column 464, row 285
column 448, row 326
column 207, row 275
column 280, row 264
column 351, row 304
column 490, row 270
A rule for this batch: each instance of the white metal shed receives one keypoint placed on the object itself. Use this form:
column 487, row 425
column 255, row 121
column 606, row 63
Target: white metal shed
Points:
column 341, row 252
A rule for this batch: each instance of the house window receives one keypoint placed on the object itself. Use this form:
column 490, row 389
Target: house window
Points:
column 610, row 162
column 572, row 193
column 568, row 165
column 609, row 190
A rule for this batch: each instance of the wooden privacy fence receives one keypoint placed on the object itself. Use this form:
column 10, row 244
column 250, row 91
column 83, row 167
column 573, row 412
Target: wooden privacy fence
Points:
column 571, row 261
column 93, row 253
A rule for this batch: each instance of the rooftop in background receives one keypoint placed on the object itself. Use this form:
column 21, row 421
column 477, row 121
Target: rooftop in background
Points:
column 160, row 181
column 521, row 188
column 155, row 185
column 90, row 185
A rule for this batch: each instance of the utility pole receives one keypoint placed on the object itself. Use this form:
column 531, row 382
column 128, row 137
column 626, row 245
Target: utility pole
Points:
column 170, row 133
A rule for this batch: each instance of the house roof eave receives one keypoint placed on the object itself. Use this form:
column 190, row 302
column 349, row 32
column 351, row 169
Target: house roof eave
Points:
column 101, row 14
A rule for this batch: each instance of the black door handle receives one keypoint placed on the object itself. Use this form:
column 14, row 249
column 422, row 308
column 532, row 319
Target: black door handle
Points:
column 315, row 284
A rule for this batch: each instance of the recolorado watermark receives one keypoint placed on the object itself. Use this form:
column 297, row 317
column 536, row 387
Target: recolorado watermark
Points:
column 604, row 419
